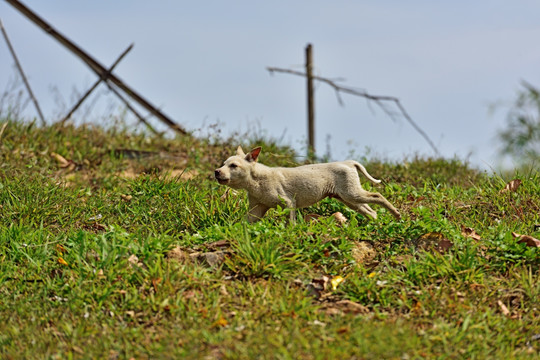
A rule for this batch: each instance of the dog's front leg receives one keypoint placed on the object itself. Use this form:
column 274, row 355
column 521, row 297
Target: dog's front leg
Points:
column 256, row 210
column 291, row 204
column 292, row 216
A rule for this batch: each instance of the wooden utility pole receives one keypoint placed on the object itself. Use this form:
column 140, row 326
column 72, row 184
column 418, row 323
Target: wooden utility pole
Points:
column 380, row 100
column 98, row 68
column 310, row 102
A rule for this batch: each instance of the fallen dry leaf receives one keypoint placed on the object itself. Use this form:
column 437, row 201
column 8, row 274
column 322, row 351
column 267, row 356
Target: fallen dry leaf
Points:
column 528, row 240
column 134, row 261
column 290, row 314
column 322, row 282
column 77, row 349
column 344, row 306
column 444, row 245
column 221, row 322
column 411, row 198
column 352, row 307
column 62, row 261
column 318, row 323
column 432, row 236
column 60, row 159
column 339, row 218
column 318, row 287
column 63, row 162
column 503, row 307
column 212, row 258
column 434, row 241
column 511, row 186
column 189, row 294
column 217, row 244
column 179, row 255
column 223, row 290
column 336, row 280
column 470, row 233
column 155, row 283
column 95, row 226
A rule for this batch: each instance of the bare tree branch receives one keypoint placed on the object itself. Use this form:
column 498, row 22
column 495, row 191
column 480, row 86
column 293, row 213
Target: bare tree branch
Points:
column 377, row 99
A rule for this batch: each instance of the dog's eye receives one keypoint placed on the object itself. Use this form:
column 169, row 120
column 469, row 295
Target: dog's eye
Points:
column 233, row 166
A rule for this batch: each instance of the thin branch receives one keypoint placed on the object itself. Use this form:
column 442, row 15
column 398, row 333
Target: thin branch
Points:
column 21, row 72
column 377, row 99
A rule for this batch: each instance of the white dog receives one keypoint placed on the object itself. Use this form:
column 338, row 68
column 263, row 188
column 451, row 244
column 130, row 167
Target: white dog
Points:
column 300, row 186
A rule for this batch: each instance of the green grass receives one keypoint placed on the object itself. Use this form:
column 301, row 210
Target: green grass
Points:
column 87, row 267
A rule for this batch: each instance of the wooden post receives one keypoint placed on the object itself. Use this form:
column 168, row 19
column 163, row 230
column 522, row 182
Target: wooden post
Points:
column 310, row 103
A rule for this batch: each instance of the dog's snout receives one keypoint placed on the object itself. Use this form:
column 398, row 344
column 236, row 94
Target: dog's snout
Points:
column 217, row 172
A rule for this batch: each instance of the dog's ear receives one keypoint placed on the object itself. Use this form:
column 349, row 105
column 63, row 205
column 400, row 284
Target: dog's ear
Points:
column 253, row 154
column 239, row 151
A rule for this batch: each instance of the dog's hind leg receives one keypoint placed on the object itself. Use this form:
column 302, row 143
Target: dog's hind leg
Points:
column 363, row 209
column 366, row 210
column 363, row 197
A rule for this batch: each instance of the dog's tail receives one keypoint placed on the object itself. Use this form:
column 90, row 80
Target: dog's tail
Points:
column 364, row 171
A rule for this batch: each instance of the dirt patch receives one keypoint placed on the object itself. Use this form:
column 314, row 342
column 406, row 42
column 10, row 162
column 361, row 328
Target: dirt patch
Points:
column 363, row 252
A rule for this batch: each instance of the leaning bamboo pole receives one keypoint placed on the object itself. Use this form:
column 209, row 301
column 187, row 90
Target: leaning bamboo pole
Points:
column 23, row 76
column 99, row 69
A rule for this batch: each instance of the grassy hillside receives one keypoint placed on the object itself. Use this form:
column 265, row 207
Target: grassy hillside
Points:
column 119, row 245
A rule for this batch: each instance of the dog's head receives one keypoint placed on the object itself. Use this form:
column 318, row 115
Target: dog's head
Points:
column 237, row 168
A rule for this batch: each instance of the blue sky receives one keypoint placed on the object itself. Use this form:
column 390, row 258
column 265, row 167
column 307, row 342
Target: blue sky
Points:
column 204, row 63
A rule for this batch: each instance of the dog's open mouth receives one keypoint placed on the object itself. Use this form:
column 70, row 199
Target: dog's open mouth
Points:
column 222, row 181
